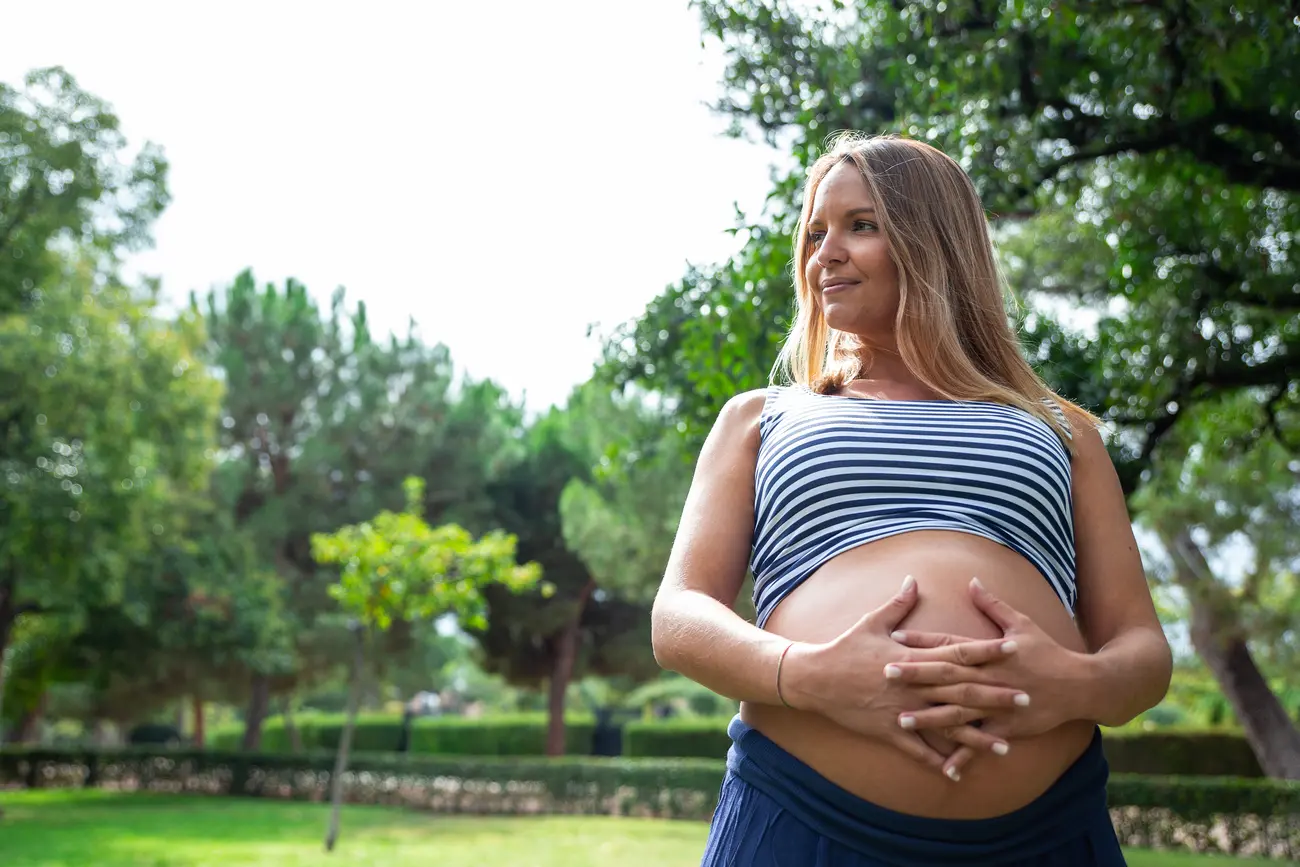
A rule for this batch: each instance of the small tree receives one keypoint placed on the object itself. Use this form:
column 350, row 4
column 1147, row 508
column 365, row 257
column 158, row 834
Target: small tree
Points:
column 397, row 567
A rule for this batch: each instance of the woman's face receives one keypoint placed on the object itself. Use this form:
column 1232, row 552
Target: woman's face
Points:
column 849, row 270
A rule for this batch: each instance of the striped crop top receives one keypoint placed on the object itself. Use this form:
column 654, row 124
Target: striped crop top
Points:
column 835, row 472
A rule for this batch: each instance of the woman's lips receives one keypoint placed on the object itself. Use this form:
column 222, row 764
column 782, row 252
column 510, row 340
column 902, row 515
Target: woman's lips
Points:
column 838, row 286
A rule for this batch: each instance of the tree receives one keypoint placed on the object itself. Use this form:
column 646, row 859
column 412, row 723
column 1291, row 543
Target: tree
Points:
column 105, row 413
column 108, row 415
column 64, row 184
column 1159, row 136
column 581, row 627
column 398, row 568
column 1206, row 501
column 198, row 615
column 195, row 614
column 621, row 523
column 320, row 425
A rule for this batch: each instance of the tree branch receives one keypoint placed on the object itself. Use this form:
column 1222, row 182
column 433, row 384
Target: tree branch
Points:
column 1283, row 301
column 1238, row 164
column 1277, row 371
column 1163, row 138
column 1256, row 120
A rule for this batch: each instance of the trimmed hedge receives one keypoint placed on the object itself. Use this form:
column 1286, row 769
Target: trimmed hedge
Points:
column 497, row 736
column 1189, row 753
column 1192, row 753
column 704, row 738
column 513, row 735
column 1249, row 817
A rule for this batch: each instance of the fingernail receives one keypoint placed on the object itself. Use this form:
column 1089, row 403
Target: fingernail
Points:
column 953, row 774
column 1009, row 647
column 977, row 584
column 898, row 636
column 1001, row 749
column 893, row 672
column 1021, row 699
column 907, row 721
column 908, row 583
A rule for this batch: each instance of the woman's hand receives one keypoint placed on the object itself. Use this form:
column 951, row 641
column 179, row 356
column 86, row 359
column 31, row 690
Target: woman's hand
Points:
column 850, row 681
column 1046, row 674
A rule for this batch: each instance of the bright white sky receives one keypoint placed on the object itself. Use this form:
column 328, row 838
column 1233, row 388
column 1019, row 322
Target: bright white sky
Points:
column 505, row 172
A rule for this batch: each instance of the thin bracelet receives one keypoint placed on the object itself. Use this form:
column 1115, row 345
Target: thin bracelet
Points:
column 780, row 662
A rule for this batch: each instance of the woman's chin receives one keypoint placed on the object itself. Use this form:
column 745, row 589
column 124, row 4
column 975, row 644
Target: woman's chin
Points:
column 841, row 319
column 852, row 319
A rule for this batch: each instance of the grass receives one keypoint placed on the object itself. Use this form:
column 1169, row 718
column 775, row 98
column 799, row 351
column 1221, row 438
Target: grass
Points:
column 84, row 828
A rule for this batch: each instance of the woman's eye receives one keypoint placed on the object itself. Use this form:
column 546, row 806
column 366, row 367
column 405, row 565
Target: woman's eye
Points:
column 864, row 226
column 815, row 238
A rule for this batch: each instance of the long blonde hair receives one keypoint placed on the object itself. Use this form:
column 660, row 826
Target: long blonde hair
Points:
column 952, row 325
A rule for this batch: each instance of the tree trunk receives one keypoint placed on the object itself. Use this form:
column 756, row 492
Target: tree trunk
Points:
column 1220, row 640
column 566, row 655
column 200, row 730
column 8, row 616
column 345, row 742
column 286, row 712
column 28, row 728
column 258, row 701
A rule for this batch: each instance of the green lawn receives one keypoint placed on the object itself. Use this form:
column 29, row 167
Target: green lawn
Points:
column 98, row 829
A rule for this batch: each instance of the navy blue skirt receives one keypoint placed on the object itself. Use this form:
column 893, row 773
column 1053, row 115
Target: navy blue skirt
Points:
column 775, row 811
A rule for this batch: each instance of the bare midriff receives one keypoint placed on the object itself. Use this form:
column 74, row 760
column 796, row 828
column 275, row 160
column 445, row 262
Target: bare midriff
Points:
column 943, row 563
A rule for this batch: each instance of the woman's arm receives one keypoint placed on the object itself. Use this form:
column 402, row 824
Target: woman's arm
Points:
column 694, row 631
column 1130, row 664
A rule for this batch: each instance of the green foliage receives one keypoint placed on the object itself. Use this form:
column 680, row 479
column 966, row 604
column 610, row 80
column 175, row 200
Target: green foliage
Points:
column 153, row 734
column 622, row 520
column 1236, row 484
column 64, row 185
column 1182, row 753
column 321, row 425
column 1090, row 118
column 1186, row 753
column 195, row 614
column 681, row 693
column 396, row 567
column 106, row 414
column 693, row 737
column 526, row 632
column 521, row 735
column 108, row 418
column 502, row 735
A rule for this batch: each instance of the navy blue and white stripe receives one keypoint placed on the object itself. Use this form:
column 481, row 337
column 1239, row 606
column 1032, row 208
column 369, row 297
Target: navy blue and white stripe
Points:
column 836, row 472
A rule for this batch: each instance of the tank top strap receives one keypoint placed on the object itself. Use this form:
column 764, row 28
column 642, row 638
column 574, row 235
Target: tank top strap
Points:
column 772, row 409
column 1060, row 416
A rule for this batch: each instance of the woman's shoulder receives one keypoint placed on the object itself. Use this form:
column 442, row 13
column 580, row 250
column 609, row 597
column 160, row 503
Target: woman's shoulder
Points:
column 744, row 410
column 745, row 415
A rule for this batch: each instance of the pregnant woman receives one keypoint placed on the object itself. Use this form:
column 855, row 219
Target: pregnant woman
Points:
column 949, row 596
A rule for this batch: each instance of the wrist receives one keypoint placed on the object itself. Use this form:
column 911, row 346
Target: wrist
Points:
column 1084, row 688
column 797, row 675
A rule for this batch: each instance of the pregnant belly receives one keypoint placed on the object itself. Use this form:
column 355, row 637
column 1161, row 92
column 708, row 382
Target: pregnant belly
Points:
column 943, row 563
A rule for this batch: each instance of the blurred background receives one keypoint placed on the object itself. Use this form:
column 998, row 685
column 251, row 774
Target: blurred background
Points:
column 354, row 361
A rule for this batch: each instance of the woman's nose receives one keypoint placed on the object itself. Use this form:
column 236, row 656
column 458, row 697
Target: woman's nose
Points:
column 830, row 251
